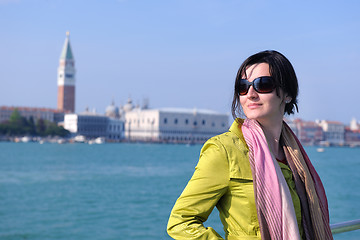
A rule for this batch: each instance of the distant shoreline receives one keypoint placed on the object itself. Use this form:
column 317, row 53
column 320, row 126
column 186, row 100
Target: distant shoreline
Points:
column 60, row 140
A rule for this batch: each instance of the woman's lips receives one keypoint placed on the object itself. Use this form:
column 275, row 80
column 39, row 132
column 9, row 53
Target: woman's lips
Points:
column 253, row 105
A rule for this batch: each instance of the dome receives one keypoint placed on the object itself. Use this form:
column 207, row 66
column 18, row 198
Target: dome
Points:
column 128, row 106
column 112, row 111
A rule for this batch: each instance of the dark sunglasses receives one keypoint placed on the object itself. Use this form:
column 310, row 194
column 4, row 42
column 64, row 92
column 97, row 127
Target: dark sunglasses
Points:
column 261, row 85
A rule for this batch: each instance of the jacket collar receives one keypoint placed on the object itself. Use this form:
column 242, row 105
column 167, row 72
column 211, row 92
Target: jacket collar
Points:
column 236, row 127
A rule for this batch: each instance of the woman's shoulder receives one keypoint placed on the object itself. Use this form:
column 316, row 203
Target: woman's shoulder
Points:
column 232, row 146
column 231, row 139
column 227, row 140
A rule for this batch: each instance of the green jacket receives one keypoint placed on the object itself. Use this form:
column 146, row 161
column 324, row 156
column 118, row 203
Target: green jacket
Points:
column 222, row 178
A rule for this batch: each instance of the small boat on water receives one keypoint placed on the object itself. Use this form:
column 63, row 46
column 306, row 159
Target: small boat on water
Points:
column 99, row 140
column 320, row 149
column 80, row 138
column 25, row 139
column 61, row 141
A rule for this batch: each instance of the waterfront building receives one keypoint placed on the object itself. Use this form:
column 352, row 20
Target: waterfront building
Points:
column 52, row 115
column 173, row 124
column 115, row 129
column 66, row 78
column 309, row 132
column 352, row 137
column 354, row 124
column 334, row 132
column 112, row 111
column 93, row 125
column 292, row 125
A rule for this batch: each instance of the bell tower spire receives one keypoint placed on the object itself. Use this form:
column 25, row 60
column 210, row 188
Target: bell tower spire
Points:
column 66, row 78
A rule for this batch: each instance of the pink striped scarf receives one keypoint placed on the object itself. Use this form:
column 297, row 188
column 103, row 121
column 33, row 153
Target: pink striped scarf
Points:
column 274, row 204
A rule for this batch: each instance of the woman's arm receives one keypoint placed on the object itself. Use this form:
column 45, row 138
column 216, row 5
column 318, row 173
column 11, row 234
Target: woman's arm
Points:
column 208, row 183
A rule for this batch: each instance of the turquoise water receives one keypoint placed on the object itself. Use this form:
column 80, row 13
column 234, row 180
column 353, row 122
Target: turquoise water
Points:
column 126, row 191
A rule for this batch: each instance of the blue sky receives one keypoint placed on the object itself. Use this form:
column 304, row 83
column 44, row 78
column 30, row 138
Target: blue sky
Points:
column 179, row 53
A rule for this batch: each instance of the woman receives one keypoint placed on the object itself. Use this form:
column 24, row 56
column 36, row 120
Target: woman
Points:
column 256, row 174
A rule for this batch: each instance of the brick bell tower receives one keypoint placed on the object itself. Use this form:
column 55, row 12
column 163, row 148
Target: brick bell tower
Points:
column 66, row 79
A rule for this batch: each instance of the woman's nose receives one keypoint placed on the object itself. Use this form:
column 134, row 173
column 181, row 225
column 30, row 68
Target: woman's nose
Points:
column 252, row 93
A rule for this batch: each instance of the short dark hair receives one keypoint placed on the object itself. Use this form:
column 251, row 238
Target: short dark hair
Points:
column 280, row 69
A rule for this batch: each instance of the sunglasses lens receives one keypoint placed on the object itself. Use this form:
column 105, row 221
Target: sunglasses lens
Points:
column 243, row 87
column 264, row 85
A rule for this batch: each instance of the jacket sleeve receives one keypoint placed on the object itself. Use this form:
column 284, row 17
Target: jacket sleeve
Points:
column 207, row 185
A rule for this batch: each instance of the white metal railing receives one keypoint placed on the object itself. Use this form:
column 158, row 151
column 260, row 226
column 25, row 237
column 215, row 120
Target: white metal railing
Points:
column 345, row 226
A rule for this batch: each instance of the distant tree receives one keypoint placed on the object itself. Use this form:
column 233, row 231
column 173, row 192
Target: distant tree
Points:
column 31, row 128
column 15, row 118
column 40, row 127
column 53, row 130
column 3, row 129
column 62, row 132
column 18, row 125
column 15, row 123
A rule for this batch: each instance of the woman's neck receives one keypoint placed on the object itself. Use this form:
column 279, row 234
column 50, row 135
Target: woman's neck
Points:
column 272, row 133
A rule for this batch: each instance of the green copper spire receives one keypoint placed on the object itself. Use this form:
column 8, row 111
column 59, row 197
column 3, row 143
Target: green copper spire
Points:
column 66, row 52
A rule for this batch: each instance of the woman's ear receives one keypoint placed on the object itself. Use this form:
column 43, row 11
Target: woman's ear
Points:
column 288, row 99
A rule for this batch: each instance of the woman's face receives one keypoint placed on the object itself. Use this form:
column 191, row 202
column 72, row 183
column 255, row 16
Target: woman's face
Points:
column 262, row 107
